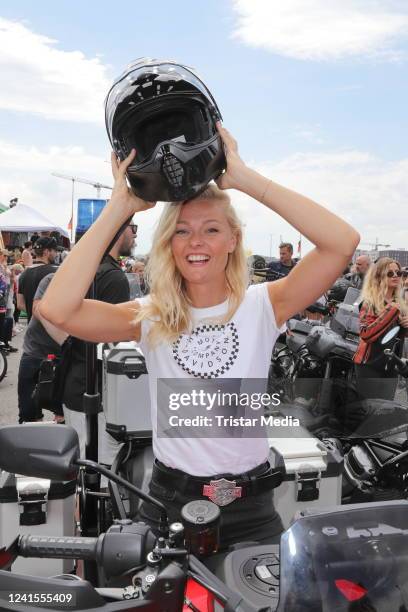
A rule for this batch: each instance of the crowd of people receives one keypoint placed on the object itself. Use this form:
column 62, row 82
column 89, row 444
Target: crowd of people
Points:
column 25, row 274
column 383, row 303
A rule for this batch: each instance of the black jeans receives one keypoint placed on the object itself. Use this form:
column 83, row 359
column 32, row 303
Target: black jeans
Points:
column 7, row 330
column 251, row 518
column 27, row 379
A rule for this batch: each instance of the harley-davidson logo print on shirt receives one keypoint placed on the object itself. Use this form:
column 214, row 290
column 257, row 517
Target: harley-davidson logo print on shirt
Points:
column 209, row 351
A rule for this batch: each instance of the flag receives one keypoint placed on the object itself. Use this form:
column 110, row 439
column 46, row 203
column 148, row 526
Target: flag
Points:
column 70, row 224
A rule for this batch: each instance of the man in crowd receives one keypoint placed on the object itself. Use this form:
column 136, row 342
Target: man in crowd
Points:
column 362, row 265
column 350, row 279
column 111, row 286
column 281, row 268
column 40, row 340
column 45, row 250
column 26, row 256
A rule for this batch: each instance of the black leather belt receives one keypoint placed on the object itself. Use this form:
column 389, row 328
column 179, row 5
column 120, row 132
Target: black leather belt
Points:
column 222, row 489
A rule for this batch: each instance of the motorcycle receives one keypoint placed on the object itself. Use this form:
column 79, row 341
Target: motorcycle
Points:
column 293, row 361
column 376, row 447
column 320, row 384
column 340, row 559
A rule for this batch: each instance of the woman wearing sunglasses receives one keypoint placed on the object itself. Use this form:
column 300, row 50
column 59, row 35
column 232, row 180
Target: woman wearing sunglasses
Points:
column 382, row 307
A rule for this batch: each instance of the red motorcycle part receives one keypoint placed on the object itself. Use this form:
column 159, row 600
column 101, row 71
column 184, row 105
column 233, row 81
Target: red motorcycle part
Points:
column 197, row 597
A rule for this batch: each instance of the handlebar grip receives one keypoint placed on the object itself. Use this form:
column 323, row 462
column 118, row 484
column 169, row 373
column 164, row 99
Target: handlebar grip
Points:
column 54, row 547
column 402, row 366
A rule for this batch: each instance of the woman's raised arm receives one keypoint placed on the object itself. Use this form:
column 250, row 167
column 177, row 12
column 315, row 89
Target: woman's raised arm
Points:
column 335, row 239
column 64, row 303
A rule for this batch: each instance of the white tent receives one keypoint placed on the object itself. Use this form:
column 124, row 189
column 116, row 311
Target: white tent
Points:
column 23, row 218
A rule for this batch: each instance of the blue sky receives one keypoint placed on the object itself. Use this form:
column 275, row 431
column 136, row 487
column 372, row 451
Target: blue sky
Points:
column 314, row 91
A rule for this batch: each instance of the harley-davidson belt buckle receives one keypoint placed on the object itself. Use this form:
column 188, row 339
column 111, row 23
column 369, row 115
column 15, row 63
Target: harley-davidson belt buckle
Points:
column 222, row 492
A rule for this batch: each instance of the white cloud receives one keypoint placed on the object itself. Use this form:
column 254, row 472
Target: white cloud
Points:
column 41, row 79
column 25, row 172
column 369, row 192
column 323, row 29
column 310, row 134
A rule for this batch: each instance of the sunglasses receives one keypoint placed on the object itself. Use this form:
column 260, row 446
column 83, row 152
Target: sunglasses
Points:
column 133, row 228
column 392, row 273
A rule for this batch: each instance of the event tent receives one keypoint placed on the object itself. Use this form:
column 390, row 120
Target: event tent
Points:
column 23, row 218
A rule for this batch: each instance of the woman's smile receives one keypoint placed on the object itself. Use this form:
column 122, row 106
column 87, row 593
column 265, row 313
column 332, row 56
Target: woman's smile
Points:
column 198, row 260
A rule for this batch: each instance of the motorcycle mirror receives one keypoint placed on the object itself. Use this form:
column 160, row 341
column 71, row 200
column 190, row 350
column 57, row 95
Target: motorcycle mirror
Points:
column 390, row 335
column 44, row 450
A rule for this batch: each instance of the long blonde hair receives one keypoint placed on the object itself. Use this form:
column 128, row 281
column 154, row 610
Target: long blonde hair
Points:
column 169, row 306
column 375, row 286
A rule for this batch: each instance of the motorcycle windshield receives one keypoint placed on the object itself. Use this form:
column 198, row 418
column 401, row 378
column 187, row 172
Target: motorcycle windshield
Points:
column 349, row 558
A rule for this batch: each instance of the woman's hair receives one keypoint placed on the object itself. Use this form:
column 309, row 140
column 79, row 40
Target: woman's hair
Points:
column 169, row 305
column 376, row 285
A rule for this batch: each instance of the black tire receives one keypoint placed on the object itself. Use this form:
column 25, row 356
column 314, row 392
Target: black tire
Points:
column 3, row 365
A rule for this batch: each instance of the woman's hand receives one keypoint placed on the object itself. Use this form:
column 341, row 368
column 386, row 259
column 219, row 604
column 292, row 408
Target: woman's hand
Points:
column 232, row 177
column 121, row 191
column 403, row 319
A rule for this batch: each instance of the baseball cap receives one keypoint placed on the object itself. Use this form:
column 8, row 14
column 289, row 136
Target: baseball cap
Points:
column 45, row 243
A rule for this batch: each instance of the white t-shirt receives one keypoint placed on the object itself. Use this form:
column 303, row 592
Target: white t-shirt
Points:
column 240, row 349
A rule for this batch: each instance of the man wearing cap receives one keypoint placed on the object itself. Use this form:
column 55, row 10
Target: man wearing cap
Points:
column 45, row 250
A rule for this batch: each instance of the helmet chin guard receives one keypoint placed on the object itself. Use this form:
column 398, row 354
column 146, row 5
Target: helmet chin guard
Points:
column 164, row 111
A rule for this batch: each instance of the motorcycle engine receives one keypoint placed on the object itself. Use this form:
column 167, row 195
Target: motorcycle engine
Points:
column 364, row 479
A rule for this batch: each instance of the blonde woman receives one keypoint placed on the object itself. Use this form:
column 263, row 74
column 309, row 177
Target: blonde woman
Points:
column 197, row 273
column 382, row 307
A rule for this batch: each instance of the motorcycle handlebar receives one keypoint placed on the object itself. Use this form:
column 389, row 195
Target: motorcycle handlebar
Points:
column 402, row 365
column 53, row 547
column 90, row 549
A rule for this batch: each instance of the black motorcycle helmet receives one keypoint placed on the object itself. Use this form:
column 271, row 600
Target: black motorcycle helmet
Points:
column 164, row 111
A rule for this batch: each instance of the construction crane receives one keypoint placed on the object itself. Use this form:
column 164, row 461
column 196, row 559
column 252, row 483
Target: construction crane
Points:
column 376, row 244
column 74, row 179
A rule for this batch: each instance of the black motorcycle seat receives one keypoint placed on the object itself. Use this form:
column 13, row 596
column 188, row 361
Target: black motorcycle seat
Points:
column 374, row 418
